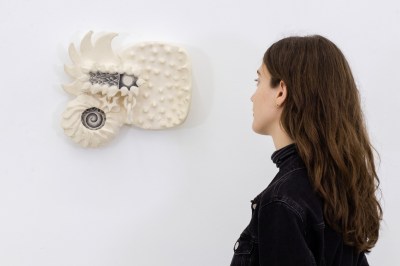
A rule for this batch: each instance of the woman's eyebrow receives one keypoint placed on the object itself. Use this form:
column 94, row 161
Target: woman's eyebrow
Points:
column 258, row 73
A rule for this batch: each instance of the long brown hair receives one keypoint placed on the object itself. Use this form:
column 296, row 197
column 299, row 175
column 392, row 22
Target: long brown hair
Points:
column 322, row 114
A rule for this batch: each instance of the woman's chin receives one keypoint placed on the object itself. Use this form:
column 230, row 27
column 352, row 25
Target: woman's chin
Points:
column 257, row 129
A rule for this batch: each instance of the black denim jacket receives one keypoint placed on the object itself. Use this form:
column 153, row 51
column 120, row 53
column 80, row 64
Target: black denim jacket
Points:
column 287, row 225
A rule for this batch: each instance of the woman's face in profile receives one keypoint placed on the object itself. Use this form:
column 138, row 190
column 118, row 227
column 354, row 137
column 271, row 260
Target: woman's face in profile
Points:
column 265, row 112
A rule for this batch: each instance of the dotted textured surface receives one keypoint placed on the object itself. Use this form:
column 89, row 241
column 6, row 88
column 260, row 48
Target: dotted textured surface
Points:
column 163, row 100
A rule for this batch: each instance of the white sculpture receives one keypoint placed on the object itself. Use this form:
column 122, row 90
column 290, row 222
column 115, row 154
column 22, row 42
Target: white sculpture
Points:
column 148, row 85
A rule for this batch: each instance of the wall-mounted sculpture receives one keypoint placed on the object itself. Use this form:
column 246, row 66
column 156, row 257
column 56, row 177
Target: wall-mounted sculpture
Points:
column 147, row 85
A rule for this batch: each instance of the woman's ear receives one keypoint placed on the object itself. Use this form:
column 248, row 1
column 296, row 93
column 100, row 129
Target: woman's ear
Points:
column 281, row 93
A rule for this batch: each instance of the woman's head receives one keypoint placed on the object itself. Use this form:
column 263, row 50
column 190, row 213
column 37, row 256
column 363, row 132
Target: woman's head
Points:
column 319, row 109
column 267, row 102
column 320, row 87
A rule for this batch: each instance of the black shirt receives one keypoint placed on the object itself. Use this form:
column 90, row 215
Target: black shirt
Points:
column 287, row 225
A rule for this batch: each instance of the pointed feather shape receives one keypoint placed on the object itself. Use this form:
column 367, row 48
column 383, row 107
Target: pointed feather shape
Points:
column 72, row 71
column 102, row 49
column 73, row 54
column 86, row 44
column 72, row 88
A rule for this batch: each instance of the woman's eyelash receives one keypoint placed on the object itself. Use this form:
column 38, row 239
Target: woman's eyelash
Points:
column 256, row 80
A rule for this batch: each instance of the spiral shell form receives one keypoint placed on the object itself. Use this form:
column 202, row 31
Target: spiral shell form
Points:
column 93, row 118
column 88, row 122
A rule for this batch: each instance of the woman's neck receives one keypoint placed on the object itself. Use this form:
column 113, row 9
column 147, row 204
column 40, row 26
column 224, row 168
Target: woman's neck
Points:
column 281, row 139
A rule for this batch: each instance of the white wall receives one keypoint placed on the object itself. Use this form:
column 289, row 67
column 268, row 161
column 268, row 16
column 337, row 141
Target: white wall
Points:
column 180, row 196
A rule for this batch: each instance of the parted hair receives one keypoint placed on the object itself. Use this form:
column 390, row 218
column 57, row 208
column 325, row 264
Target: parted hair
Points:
column 322, row 114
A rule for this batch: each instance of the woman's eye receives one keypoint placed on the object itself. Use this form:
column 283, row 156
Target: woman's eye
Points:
column 256, row 80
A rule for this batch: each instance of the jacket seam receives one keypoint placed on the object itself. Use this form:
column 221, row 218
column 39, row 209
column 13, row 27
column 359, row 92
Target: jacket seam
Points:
column 283, row 179
column 287, row 205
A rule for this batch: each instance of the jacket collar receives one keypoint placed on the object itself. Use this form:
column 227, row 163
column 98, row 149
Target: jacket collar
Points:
column 281, row 155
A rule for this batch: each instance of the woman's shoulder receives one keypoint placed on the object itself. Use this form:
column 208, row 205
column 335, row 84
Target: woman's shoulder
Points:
column 293, row 190
column 291, row 183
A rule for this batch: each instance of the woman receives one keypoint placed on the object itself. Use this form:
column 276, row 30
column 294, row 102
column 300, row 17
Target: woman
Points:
column 321, row 208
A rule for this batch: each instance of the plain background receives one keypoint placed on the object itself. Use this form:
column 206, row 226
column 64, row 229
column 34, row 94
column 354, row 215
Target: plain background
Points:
column 182, row 196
